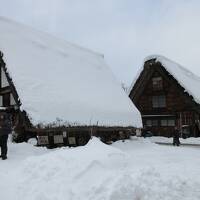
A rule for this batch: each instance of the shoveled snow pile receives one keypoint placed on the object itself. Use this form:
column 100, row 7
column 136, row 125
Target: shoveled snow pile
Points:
column 130, row 170
column 74, row 174
column 185, row 78
column 57, row 80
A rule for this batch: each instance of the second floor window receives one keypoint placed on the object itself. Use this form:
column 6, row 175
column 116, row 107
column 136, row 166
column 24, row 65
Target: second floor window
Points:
column 150, row 123
column 157, row 83
column 159, row 101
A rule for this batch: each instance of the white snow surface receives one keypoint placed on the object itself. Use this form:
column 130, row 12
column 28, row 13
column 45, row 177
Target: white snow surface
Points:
column 136, row 169
column 188, row 80
column 58, row 80
column 188, row 141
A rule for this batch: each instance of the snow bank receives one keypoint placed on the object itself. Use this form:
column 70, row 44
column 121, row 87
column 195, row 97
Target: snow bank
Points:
column 136, row 169
column 130, row 170
column 59, row 81
column 79, row 173
column 151, row 185
column 189, row 81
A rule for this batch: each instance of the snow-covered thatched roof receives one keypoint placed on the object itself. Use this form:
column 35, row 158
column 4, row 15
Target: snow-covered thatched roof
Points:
column 59, row 80
column 189, row 81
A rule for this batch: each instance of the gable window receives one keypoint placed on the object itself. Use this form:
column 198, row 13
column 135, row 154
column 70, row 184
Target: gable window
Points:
column 159, row 101
column 157, row 83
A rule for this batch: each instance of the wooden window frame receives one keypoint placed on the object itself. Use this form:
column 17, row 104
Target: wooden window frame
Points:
column 157, row 83
column 167, row 123
column 159, row 101
column 152, row 123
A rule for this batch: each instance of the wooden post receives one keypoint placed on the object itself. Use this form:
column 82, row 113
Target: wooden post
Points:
column 91, row 132
column 181, row 124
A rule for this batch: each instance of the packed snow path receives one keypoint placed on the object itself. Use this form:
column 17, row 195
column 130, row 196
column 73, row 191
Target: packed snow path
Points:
column 134, row 170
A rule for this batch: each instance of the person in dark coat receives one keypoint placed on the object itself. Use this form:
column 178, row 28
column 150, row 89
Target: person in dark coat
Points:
column 5, row 130
column 176, row 136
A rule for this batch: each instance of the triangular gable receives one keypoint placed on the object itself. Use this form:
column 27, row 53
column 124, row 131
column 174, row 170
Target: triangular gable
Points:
column 153, row 66
column 185, row 78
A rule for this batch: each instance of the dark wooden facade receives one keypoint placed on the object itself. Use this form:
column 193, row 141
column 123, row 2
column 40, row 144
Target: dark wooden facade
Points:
column 49, row 136
column 164, row 103
column 80, row 135
column 10, row 102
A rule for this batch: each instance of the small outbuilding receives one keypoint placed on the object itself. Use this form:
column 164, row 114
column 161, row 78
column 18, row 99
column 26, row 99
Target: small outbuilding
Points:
column 167, row 95
column 58, row 91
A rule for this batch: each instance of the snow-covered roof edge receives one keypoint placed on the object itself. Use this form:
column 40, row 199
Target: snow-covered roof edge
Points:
column 138, row 74
column 134, row 80
column 172, row 67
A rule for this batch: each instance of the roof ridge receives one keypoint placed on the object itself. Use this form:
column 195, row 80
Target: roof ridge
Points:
column 28, row 27
column 185, row 69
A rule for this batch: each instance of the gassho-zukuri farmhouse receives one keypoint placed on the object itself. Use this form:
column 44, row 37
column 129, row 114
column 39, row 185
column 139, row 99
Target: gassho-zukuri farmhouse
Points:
column 167, row 95
column 60, row 92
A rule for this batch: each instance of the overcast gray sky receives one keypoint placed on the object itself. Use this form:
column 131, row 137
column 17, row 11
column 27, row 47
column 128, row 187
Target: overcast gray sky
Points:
column 125, row 31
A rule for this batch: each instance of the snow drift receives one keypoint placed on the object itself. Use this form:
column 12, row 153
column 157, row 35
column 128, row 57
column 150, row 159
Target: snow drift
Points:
column 58, row 80
column 72, row 174
column 133, row 170
column 136, row 169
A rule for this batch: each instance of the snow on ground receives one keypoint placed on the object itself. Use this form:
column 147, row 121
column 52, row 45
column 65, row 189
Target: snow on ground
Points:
column 192, row 141
column 136, row 169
